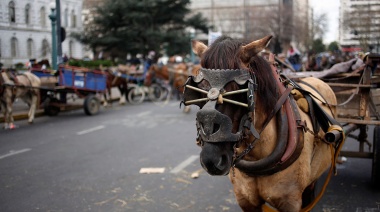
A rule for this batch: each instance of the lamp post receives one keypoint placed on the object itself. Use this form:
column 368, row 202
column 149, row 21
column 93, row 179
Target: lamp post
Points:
column 53, row 19
column 59, row 32
column 192, row 35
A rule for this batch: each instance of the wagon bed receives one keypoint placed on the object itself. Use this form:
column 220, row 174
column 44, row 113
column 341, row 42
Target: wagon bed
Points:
column 81, row 82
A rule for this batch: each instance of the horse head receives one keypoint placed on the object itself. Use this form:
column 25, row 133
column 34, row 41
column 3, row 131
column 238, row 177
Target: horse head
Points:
column 226, row 91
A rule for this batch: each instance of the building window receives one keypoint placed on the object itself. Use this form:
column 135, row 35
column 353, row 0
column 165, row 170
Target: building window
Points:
column 66, row 18
column 71, row 48
column 43, row 16
column 27, row 14
column 14, row 47
column 30, row 48
column 45, row 48
column 12, row 12
column 73, row 19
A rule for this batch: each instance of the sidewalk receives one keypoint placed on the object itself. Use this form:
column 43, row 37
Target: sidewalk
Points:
column 21, row 109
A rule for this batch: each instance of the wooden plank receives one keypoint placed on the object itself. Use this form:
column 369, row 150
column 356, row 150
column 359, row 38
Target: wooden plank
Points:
column 349, row 85
column 358, row 121
column 347, row 112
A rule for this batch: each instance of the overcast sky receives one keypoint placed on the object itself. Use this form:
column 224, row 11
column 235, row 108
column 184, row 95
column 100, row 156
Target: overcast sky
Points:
column 331, row 8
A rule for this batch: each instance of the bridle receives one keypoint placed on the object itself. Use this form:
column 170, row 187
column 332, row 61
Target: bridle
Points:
column 216, row 94
column 214, row 126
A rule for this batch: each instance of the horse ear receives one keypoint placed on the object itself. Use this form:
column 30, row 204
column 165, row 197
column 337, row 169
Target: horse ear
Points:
column 250, row 50
column 198, row 47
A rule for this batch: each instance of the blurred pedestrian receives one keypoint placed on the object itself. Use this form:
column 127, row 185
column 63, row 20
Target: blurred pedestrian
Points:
column 294, row 57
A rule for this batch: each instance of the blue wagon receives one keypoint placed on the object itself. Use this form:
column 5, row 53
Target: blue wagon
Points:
column 83, row 82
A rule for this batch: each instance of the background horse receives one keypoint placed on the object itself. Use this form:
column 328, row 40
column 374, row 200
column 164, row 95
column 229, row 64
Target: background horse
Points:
column 115, row 79
column 271, row 157
column 175, row 74
column 24, row 86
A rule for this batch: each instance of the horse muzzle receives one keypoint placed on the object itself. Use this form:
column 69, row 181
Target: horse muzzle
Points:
column 214, row 126
column 215, row 133
column 216, row 158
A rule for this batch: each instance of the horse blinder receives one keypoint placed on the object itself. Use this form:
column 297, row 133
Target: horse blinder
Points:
column 212, row 125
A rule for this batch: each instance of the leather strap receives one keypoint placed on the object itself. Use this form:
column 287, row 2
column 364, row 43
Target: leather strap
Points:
column 280, row 102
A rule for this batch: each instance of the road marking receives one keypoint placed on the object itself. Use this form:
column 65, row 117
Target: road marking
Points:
column 91, row 130
column 12, row 152
column 185, row 163
column 144, row 113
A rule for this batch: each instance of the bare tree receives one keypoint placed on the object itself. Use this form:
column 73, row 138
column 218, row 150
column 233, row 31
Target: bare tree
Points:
column 254, row 21
column 319, row 26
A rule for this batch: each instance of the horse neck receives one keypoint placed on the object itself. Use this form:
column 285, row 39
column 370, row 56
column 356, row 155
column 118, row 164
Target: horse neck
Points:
column 4, row 78
column 268, row 136
column 260, row 116
column 162, row 73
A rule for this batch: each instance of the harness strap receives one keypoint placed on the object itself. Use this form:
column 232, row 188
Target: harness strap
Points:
column 280, row 102
column 316, row 90
column 293, row 146
column 324, row 119
column 249, row 124
column 292, row 138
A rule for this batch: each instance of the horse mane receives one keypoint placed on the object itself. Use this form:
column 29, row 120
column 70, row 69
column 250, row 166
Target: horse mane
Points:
column 267, row 89
column 224, row 53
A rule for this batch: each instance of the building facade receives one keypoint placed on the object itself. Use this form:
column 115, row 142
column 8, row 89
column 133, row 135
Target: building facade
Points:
column 359, row 25
column 286, row 20
column 25, row 30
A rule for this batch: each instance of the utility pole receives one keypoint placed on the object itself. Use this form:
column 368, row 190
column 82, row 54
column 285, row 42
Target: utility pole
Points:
column 59, row 33
column 53, row 18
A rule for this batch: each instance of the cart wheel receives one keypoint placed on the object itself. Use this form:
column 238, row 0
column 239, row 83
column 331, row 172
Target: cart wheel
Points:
column 129, row 89
column 376, row 158
column 136, row 95
column 91, row 105
column 156, row 92
column 50, row 109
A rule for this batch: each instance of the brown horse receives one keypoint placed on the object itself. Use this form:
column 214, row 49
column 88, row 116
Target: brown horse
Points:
column 24, row 86
column 250, row 128
column 175, row 74
column 115, row 79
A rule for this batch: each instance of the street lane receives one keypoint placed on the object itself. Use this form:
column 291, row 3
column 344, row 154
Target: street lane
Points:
column 69, row 170
column 74, row 162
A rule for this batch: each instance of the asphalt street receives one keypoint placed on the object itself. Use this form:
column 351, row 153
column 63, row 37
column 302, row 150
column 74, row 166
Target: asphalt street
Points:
column 74, row 162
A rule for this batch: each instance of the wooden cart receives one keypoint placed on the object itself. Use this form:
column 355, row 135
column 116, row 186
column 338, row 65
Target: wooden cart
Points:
column 84, row 83
column 358, row 96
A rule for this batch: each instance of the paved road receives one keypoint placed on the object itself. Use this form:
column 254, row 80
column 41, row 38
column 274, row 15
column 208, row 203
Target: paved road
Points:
column 74, row 162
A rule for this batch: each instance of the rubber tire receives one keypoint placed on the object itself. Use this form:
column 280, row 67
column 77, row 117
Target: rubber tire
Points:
column 91, row 105
column 136, row 95
column 376, row 158
column 51, row 110
column 156, row 92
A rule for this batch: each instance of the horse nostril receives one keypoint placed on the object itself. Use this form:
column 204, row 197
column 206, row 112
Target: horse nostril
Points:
column 222, row 162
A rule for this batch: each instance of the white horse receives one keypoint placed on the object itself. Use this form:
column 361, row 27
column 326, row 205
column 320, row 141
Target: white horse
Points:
column 24, row 86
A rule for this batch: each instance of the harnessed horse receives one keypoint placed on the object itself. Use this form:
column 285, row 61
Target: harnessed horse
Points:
column 114, row 79
column 24, row 86
column 250, row 126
